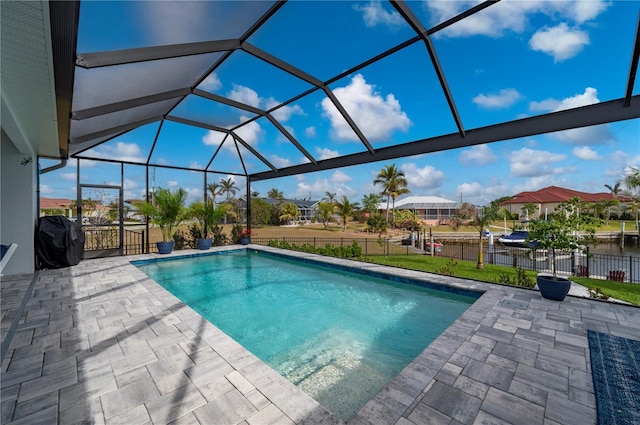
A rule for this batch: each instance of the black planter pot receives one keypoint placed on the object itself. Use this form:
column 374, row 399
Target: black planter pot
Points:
column 245, row 240
column 553, row 289
column 205, row 244
column 165, row 247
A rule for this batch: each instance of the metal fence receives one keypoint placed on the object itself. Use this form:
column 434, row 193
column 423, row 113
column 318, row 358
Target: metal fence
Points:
column 597, row 266
column 105, row 241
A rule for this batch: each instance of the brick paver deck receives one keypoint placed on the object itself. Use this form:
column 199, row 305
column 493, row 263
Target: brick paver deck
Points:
column 103, row 343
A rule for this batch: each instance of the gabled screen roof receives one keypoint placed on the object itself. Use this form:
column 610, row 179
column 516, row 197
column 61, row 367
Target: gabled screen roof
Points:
column 270, row 89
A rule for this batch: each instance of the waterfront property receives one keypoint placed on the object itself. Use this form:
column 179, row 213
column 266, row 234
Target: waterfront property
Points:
column 102, row 342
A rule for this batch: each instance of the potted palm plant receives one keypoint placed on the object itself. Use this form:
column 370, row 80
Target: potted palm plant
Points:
column 565, row 230
column 166, row 211
column 208, row 216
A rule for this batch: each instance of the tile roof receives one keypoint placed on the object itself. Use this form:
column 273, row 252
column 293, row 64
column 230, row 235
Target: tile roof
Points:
column 54, row 203
column 553, row 194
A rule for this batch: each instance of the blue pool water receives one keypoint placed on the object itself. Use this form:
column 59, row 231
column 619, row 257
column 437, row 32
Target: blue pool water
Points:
column 339, row 336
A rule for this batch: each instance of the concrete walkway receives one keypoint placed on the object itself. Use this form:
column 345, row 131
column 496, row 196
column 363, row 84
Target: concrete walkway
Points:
column 103, row 343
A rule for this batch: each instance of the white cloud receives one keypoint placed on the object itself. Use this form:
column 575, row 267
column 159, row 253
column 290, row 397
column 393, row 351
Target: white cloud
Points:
column 479, row 155
column 172, row 183
column 529, row 163
column 193, row 194
column 425, row 178
column 324, row 153
column 373, row 14
column 582, row 11
column 340, row 177
column 279, row 161
column 250, row 97
column 589, row 97
column 285, row 112
column 585, row 153
column 213, row 138
column 130, row 184
column 122, row 151
column 378, row 116
column 481, row 193
column 69, row 176
column 211, row 83
column 250, row 132
column 509, row 16
column 503, row 99
column 310, row 131
column 538, row 182
column 195, row 165
column 560, row 41
column 244, row 95
column 544, row 105
column 45, row 189
column 320, row 186
column 593, row 135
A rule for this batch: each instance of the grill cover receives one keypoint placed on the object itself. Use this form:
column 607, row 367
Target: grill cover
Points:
column 59, row 242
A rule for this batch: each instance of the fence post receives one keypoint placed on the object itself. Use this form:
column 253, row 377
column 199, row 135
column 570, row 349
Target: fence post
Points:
column 314, row 242
column 366, row 246
column 630, row 269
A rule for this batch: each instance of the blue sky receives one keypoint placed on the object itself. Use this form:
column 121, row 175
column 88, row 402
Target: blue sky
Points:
column 513, row 60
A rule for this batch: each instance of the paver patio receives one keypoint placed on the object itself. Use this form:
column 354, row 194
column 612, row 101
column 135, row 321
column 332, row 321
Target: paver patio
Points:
column 103, row 343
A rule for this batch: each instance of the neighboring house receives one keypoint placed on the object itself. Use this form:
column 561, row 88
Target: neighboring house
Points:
column 56, row 206
column 308, row 208
column 548, row 198
column 432, row 210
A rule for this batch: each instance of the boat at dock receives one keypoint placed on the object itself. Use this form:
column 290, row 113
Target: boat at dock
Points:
column 517, row 239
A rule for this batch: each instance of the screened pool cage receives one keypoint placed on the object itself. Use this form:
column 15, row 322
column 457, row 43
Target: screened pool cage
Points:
column 154, row 74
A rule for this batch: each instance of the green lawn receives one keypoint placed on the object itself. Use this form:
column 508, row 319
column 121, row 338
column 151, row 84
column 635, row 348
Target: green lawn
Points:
column 628, row 292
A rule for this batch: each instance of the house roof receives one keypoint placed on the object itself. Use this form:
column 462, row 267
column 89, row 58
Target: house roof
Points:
column 54, row 203
column 422, row 202
column 555, row 194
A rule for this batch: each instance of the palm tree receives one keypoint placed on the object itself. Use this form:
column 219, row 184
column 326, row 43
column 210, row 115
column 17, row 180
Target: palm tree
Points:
column 605, row 206
column 345, row 209
column 228, row 187
column 289, row 212
column 325, row 212
column 529, row 208
column 370, row 203
column 480, row 219
column 167, row 212
column 275, row 194
column 329, row 197
column 615, row 189
column 393, row 184
column 215, row 189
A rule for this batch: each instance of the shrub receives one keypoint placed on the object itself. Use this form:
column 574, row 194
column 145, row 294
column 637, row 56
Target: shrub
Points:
column 180, row 240
column 520, row 279
column 448, row 267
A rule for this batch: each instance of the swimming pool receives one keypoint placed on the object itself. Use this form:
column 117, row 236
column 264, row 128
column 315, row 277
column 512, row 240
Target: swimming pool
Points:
column 338, row 335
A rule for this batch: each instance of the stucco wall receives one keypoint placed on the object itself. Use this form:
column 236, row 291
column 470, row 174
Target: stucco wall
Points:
column 18, row 206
